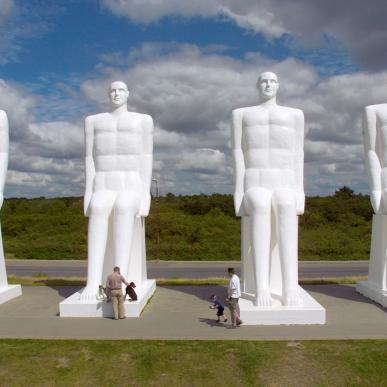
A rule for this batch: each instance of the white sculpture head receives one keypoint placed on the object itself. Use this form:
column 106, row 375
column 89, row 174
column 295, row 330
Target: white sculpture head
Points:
column 267, row 85
column 119, row 93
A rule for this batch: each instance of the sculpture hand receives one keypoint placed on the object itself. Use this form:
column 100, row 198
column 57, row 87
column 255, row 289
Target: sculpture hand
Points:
column 86, row 203
column 300, row 202
column 145, row 205
column 376, row 201
column 238, row 203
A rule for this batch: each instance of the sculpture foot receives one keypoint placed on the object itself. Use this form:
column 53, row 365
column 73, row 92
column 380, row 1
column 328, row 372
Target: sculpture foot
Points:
column 263, row 299
column 89, row 293
column 292, row 298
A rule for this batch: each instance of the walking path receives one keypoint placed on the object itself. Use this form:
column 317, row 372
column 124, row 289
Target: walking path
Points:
column 181, row 312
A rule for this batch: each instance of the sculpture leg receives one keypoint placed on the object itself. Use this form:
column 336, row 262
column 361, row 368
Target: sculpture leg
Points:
column 100, row 207
column 126, row 207
column 258, row 206
column 287, row 231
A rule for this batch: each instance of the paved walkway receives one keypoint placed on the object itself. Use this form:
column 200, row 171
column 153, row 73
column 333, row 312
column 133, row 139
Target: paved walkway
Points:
column 181, row 312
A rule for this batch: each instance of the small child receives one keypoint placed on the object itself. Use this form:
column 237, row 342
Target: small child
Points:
column 217, row 305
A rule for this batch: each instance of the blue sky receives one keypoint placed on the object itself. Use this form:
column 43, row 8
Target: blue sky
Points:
column 76, row 33
column 188, row 65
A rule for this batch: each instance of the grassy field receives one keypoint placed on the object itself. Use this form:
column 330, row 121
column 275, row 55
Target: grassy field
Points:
column 187, row 228
column 192, row 363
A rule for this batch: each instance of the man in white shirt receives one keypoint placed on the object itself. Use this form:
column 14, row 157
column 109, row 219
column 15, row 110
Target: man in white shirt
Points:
column 233, row 293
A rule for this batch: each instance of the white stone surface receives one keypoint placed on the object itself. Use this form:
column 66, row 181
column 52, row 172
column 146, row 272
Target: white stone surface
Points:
column 10, row 292
column 375, row 147
column 373, row 292
column 74, row 307
column 311, row 312
column 118, row 165
column 267, row 142
column 7, row 292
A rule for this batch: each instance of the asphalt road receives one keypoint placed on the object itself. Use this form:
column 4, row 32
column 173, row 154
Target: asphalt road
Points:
column 176, row 269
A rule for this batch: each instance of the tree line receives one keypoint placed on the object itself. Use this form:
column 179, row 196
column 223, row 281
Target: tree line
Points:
column 197, row 227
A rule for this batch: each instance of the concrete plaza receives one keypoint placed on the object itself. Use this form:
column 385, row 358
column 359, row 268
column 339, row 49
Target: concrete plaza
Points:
column 182, row 312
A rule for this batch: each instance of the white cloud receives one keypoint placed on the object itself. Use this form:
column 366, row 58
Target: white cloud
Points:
column 358, row 24
column 56, row 139
column 190, row 93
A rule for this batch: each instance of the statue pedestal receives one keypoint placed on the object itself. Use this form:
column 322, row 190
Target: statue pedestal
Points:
column 376, row 286
column 73, row 307
column 10, row 292
column 376, row 294
column 311, row 312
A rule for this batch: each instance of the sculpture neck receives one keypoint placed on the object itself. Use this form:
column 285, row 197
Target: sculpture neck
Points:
column 269, row 102
column 119, row 110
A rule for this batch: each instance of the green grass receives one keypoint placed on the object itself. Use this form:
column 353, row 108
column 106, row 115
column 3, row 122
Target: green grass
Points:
column 192, row 363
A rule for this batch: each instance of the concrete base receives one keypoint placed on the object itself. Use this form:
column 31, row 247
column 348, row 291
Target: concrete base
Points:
column 367, row 289
column 73, row 307
column 12, row 291
column 311, row 312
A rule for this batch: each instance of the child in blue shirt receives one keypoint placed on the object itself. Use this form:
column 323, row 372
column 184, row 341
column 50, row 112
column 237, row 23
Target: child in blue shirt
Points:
column 215, row 304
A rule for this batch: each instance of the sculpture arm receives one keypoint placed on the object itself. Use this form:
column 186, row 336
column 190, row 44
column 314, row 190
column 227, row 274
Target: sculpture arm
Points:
column 299, row 163
column 372, row 161
column 4, row 147
column 89, row 163
column 146, row 165
column 239, row 163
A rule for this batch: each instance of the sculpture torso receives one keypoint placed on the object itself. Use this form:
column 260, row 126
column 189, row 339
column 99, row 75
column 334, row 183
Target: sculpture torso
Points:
column 118, row 143
column 269, row 146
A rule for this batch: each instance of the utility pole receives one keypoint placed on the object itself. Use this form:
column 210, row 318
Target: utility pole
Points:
column 157, row 212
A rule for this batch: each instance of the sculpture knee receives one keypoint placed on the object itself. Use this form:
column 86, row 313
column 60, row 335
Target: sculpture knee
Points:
column 285, row 203
column 258, row 202
column 100, row 206
column 127, row 205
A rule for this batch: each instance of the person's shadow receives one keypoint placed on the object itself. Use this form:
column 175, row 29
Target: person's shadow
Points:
column 203, row 292
column 212, row 322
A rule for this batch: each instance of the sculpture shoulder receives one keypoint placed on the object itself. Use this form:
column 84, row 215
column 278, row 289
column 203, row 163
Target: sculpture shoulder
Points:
column 146, row 118
column 146, row 122
column 239, row 113
column 293, row 111
column 382, row 107
column 96, row 117
column 90, row 120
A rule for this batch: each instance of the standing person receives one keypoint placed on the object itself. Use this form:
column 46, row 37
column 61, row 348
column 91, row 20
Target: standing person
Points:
column 234, row 292
column 113, row 283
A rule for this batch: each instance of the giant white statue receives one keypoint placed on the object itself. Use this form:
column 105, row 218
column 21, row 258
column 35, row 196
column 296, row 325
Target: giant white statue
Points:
column 267, row 142
column 375, row 147
column 118, row 162
column 7, row 291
